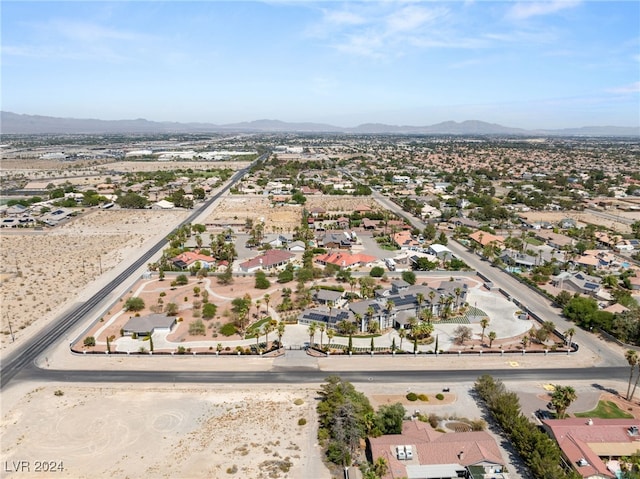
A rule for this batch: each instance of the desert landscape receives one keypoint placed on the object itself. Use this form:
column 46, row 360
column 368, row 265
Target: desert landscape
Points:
column 166, row 432
column 44, row 270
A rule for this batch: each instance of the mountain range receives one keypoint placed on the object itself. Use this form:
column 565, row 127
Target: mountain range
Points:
column 13, row 123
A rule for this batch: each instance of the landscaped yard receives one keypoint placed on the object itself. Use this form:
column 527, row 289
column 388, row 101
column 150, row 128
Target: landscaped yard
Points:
column 606, row 410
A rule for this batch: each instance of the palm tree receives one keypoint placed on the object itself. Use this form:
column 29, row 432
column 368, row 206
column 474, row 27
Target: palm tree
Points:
column 312, row 333
column 525, row 342
column 322, row 329
column 458, row 292
column 358, row 318
column 266, row 298
column 402, row 333
column 268, row 328
column 419, row 300
column 570, row 333
column 484, row 322
column 492, row 337
column 432, row 295
column 380, row 467
column 632, row 358
column 281, row 328
column 330, row 334
column 388, row 308
column 561, row 398
column 633, row 392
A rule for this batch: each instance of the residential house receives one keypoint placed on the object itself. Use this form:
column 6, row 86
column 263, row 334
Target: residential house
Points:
column 190, row 258
column 437, row 455
column 323, row 314
column 484, row 238
column 521, row 260
column 577, row 282
column 334, row 240
column 405, row 240
column 270, row 259
column 593, row 446
column 328, row 297
column 440, row 251
column 296, row 247
column 345, row 259
column 555, row 240
column 462, row 221
column 148, row 324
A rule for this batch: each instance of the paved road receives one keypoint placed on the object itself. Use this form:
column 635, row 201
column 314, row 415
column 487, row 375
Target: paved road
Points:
column 532, row 300
column 51, row 333
column 298, row 374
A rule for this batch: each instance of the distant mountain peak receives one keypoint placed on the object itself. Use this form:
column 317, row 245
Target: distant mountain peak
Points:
column 13, row 123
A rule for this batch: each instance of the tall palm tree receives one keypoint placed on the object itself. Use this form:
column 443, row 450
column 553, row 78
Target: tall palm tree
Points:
column 281, row 328
column 330, row 334
column 484, row 322
column 570, row 333
column 322, row 329
column 632, row 358
column 268, row 328
column 402, row 333
column 432, row 295
column 312, row 333
column 266, row 298
column 492, row 337
column 420, row 300
column 388, row 308
column 458, row 292
column 635, row 385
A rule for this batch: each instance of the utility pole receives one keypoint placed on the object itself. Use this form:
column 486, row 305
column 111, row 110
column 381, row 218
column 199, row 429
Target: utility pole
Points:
column 13, row 339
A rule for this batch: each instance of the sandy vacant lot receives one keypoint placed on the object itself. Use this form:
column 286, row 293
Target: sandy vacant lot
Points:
column 236, row 209
column 583, row 218
column 44, row 271
column 164, row 432
column 131, row 166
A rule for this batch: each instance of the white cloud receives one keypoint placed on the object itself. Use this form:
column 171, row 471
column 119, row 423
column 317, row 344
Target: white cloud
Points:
column 526, row 9
column 630, row 88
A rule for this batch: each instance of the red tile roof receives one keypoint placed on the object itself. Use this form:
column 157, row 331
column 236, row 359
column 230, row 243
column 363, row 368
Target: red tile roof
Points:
column 344, row 259
column 433, row 447
column 268, row 259
column 590, row 439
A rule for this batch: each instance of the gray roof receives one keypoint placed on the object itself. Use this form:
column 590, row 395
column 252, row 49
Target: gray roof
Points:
column 328, row 295
column 146, row 324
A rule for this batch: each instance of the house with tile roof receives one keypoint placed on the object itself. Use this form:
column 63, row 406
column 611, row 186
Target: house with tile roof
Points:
column 484, row 238
column 190, row 258
column 437, row 454
column 344, row 259
column 270, row 259
column 593, row 446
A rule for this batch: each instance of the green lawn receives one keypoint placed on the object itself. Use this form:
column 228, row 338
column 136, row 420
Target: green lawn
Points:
column 533, row 241
column 606, row 410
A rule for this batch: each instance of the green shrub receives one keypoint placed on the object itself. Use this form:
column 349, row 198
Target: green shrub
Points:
column 302, row 421
column 412, row 397
column 89, row 341
column 423, row 397
column 228, row 330
column 439, row 396
column 58, row 392
column 298, row 401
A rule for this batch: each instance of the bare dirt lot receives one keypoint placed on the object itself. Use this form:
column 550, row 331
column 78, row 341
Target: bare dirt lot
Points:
column 236, row 209
column 584, row 218
column 132, row 166
column 164, row 432
column 44, row 271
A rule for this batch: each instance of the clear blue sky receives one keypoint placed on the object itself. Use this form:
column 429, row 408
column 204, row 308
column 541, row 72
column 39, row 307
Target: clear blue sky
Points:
column 518, row 63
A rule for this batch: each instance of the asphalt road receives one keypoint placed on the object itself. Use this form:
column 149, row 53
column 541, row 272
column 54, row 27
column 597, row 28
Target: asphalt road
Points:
column 533, row 301
column 293, row 375
column 51, row 333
